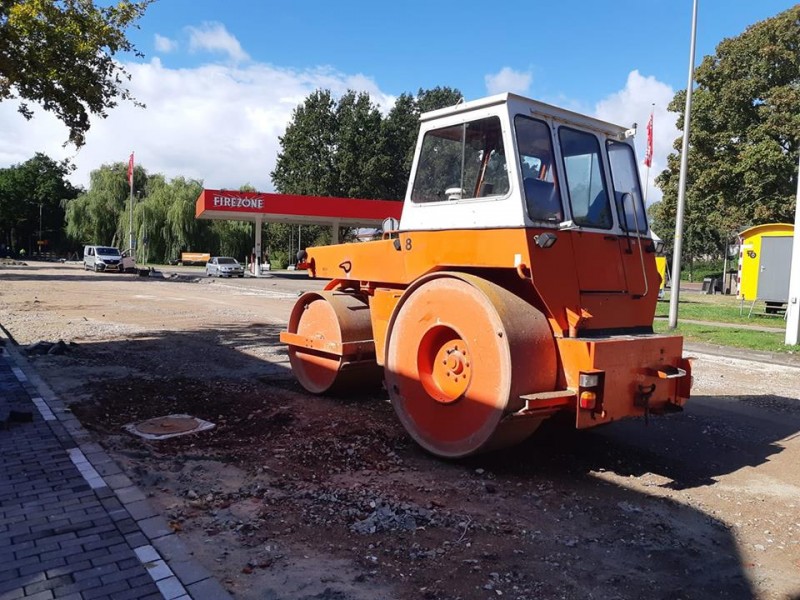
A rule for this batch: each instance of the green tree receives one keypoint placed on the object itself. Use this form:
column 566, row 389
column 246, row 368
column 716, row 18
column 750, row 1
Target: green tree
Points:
column 61, row 55
column 31, row 199
column 744, row 138
column 356, row 158
column 305, row 164
column 399, row 134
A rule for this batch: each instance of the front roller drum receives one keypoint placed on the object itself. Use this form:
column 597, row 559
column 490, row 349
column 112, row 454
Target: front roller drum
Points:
column 331, row 349
column 461, row 353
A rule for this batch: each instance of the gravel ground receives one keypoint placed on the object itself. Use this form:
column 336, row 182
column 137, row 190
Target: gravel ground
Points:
column 293, row 496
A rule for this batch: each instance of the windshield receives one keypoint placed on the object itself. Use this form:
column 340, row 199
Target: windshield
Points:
column 107, row 251
column 226, row 261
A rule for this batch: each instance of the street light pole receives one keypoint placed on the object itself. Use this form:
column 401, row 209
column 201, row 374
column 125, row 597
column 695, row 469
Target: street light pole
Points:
column 676, row 255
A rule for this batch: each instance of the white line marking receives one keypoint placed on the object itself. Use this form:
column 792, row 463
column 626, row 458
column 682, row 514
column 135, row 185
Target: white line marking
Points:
column 91, row 476
column 45, row 411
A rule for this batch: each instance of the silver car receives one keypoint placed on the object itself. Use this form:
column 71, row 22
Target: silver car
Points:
column 224, row 266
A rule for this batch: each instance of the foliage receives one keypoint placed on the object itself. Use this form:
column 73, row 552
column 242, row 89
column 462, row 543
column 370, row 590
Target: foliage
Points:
column 100, row 215
column 744, row 138
column 38, row 184
column 61, row 56
column 280, row 259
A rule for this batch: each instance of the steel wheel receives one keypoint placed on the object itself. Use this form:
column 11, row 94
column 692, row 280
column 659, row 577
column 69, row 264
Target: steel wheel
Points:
column 461, row 352
column 332, row 317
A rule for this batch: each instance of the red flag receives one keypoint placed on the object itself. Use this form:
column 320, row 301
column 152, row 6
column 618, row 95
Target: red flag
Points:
column 648, row 153
column 130, row 170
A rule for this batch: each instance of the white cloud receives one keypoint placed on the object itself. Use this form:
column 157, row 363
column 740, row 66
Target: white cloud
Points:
column 508, row 80
column 213, row 37
column 165, row 44
column 216, row 123
column 632, row 104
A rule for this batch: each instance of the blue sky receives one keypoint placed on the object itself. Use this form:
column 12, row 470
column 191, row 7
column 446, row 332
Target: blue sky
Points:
column 220, row 79
column 577, row 49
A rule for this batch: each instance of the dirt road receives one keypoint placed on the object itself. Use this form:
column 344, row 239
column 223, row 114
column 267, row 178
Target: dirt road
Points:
column 298, row 497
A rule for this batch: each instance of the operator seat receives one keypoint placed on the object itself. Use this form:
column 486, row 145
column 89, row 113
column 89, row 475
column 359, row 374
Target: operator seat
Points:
column 542, row 200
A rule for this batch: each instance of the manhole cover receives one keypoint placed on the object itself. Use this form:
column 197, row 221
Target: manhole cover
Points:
column 161, row 428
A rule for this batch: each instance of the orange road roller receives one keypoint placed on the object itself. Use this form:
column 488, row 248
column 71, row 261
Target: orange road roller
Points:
column 519, row 282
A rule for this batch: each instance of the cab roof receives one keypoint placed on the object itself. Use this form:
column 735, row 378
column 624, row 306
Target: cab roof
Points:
column 534, row 106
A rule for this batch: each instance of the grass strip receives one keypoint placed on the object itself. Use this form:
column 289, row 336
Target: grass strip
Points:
column 730, row 336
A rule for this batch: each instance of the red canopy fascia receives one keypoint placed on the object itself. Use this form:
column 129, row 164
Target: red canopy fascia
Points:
column 290, row 208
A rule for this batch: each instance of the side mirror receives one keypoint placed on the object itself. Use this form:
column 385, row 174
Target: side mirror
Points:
column 627, row 201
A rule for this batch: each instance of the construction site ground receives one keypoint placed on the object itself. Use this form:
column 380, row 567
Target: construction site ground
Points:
column 295, row 496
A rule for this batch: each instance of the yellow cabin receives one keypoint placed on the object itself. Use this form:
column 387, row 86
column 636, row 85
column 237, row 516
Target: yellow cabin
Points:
column 765, row 256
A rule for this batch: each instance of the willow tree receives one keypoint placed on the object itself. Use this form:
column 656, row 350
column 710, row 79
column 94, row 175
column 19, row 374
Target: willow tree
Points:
column 100, row 215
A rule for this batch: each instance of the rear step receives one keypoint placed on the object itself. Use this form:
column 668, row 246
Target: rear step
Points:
column 543, row 404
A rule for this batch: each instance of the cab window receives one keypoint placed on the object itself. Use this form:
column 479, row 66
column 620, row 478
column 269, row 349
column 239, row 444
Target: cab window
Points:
column 627, row 194
column 586, row 185
column 536, row 163
column 462, row 161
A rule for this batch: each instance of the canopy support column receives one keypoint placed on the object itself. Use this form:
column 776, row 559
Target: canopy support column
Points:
column 257, row 250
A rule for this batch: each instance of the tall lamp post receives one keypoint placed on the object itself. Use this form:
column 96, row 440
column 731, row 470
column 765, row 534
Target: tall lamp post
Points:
column 676, row 255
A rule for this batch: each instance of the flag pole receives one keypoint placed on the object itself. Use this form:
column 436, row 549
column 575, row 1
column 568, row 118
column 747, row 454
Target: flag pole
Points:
column 676, row 254
column 130, row 183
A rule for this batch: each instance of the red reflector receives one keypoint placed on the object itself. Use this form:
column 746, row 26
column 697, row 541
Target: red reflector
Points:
column 588, row 400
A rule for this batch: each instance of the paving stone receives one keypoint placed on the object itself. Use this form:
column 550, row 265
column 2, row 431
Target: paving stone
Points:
column 190, row 571
column 140, row 510
column 154, row 527
column 171, row 547
column 171, row 588
column 208, row 589
column 70, row 518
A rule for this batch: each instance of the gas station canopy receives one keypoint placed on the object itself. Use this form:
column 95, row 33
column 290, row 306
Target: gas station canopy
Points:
column 289, row 208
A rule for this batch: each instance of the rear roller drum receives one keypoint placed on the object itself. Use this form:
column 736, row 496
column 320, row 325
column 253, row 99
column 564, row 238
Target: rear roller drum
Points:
column 461, row 352
column 332, row 318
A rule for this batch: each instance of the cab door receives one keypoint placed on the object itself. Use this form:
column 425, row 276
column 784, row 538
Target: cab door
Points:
column 597, row 248
column 635, row 246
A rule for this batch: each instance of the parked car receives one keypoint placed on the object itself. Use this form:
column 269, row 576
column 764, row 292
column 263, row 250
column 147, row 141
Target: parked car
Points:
column 224, row 266
column 102, row 258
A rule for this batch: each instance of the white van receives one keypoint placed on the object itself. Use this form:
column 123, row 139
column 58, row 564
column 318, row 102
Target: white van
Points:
column 102, row 258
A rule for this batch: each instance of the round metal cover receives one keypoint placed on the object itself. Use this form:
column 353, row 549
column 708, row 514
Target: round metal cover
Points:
column 168, row 425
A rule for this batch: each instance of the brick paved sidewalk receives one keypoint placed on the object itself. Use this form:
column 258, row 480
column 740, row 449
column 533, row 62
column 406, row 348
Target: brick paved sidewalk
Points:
column 72, row 525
